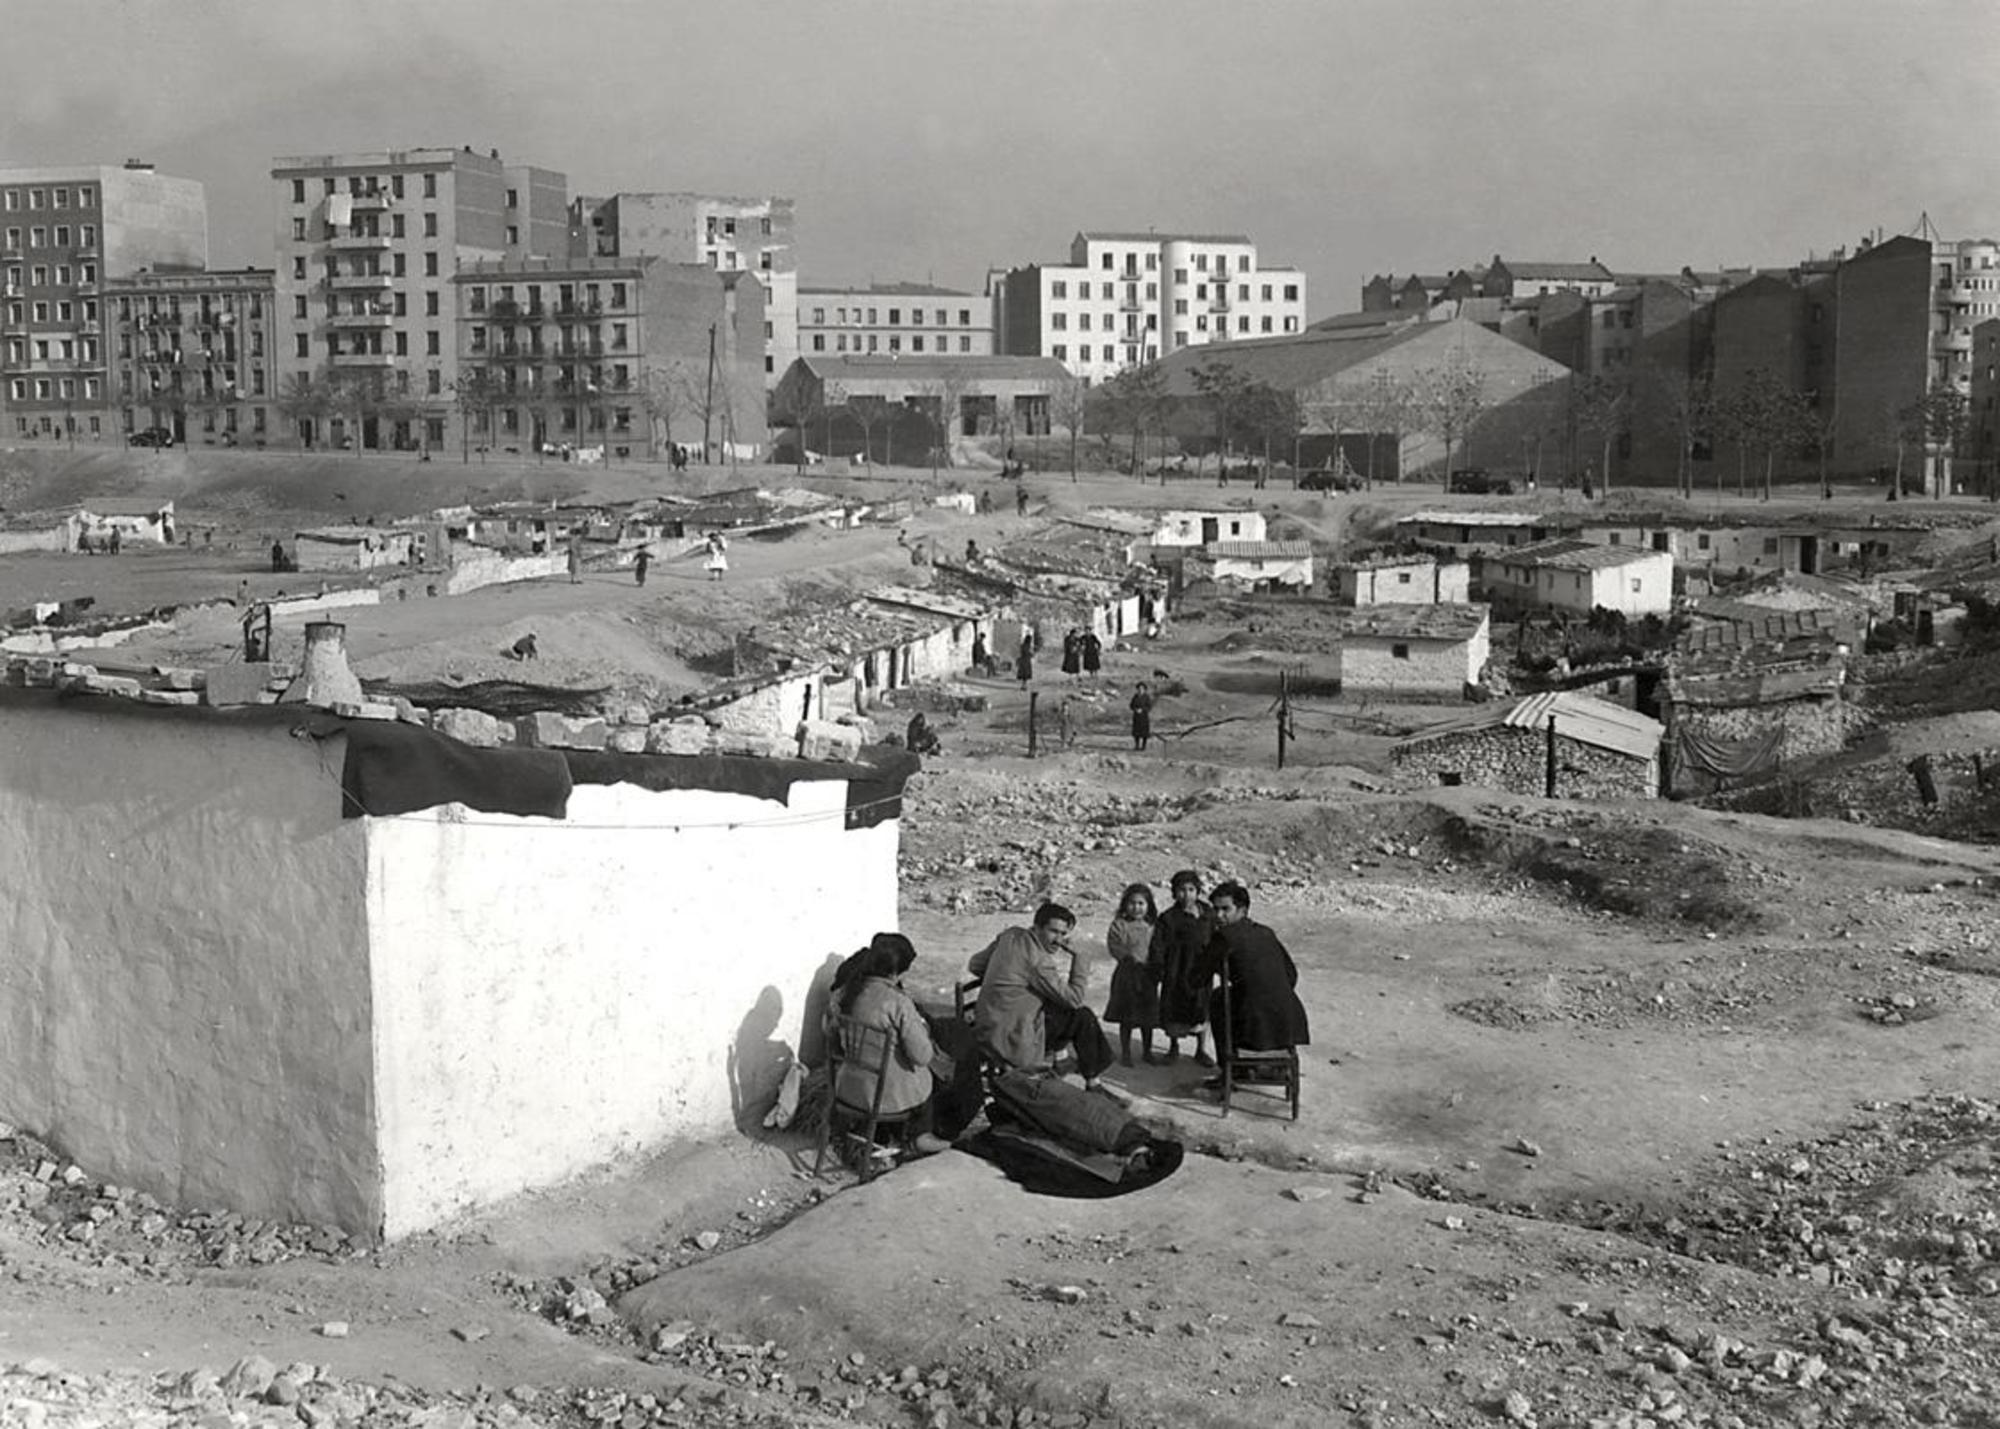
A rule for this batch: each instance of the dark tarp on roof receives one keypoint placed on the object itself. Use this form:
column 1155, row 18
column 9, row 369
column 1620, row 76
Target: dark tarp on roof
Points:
column 398, row 768
column 874, row 790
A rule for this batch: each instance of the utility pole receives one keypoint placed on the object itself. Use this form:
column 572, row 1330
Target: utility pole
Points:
column 1284, row 713
column 708, row 394
column 1034, row 696
column 1549, row 772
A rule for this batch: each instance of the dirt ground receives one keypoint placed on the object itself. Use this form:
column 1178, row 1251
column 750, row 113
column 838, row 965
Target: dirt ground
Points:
column 1615, row 1114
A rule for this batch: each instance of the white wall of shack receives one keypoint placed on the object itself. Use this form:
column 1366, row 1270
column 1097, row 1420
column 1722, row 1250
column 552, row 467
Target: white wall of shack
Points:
column 550, row 994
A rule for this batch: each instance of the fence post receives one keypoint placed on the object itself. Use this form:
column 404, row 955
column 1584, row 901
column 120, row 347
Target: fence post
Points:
column 1034, row 698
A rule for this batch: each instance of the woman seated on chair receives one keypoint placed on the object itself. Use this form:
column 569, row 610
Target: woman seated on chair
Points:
column 868, row 991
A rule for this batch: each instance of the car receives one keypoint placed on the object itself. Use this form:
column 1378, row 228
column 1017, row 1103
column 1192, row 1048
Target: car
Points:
column 1326, row 479
column 151, row 437
column 1478, row 481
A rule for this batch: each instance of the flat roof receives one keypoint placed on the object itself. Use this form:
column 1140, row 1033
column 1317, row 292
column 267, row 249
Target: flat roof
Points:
column 1415, row 622
column 1490, row 518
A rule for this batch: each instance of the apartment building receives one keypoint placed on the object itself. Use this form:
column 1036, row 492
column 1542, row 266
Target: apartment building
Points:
column 194, row 354
column 895, row 318
column 608, row 352
column 1130, row 298
column 367, row 244
column 726, row 233
column 63, row 232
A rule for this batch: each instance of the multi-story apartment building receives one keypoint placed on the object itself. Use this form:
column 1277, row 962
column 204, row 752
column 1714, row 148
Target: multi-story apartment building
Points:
column 624, row 353
column 367, row 244
column 895, row 318
column 63, row 232
column 193, row 354
column 727, row 234
column 1129, row 298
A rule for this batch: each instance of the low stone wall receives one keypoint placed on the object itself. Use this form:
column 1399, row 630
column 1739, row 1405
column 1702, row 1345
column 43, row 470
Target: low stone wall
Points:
column 1516, row 760
column 475, row 567
column 1813, row 728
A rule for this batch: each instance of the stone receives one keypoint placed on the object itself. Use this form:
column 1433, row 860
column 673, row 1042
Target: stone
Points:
column 474, row 727
column 1516, row 1407
column 471, row 1334
column 249, row 1377
column 1526, row 1147
column 708, row 1240
column 1299, row 1320
column 1066, row 1294
column 627, row 740
column 679, row 736
column 334, row 1329
column 1308, row 1193
column 169, row 697
column 544, row 730
column 364, row 709
column 181, row 679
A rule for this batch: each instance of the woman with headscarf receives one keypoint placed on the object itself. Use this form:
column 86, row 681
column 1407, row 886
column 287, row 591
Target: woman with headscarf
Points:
column 1135, row 981
column 868, row 990
column 1072, row 659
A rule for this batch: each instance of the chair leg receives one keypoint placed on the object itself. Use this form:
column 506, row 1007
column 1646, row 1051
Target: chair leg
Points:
column 1293, row 1078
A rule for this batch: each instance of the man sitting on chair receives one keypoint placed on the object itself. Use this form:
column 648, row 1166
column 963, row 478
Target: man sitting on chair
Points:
column 1027, row 1009
column 1265, row 1014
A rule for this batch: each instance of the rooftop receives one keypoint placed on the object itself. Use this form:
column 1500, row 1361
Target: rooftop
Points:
column 1568, row 554
column 1559, row 519
column 1259, row 550
column 1584, row 718
column 887, row 290
column 1110, row 235
column 1415, row 622
column 923, row 367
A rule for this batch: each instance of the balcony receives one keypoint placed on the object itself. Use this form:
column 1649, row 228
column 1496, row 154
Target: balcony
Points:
column 373, row 201
column 361, row 320
column 360, row 243
column 363, row 359
column 361, row 282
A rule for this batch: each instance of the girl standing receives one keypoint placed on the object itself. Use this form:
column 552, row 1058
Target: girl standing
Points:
column 1180, row 940
column 1135, row 979
column 718, row 559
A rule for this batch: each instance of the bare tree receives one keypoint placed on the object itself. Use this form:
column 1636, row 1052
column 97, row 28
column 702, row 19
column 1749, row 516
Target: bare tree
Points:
column 1936, row 422
column 1226, row 388
column 300, row 400
column 803, row 405
column 869, row 412
column 661, row 393
column 1681, row 406
column 942, row 400
column 1762, row 414
column 1385, row 404
column 1452, row 398
column 1067, row 405
column 1602, row 406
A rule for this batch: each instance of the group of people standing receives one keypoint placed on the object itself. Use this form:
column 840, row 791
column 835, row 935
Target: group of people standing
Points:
column 1201, row 971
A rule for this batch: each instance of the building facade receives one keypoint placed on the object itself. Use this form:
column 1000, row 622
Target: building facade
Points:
column 367, row 244
column 895, row 318
column 607, row 352
column 194, row 354
column 1129, row 298
column 726, row 233
column 63, row 233
column 1416, row 649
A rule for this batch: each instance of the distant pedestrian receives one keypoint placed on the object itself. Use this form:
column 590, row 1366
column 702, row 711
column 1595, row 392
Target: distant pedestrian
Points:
column 524, row 648
column 1093, row 653
column 575, row 557
column 718, row 558
column 972, row 553
column 639, row 563
column 116, row 540
column 243, row 592
column 1072, row 656
column 1024, row 660
column 982, row 658
column 277, row 555
column 1142, row 715
column 1021, row 501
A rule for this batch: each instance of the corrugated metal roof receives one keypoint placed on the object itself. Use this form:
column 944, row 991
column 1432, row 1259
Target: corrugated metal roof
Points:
column 1580, row 717
column 1259, row 550
column 1566, row 554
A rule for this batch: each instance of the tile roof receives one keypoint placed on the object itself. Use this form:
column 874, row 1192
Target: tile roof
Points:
column 1259, row 550
column 1584, row 718
column 1592, row 272
column 1566, row 553
column 1415, row 622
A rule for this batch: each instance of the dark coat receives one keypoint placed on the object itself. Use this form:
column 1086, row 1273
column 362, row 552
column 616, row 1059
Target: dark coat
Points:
column 1072, row 656
column 1179, row 940
column 1265, row 1013
column 1093, row 654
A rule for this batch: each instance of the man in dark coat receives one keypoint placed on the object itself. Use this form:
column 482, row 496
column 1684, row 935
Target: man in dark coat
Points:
column 1265, row 1014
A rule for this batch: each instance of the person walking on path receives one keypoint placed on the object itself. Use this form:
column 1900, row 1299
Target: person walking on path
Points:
column 1024, row 659
column 1265, row 1014
column 1142, row 715
column 1135, row 980
column 1027, row 1010
column 1180, row 942
column 1021, row 501
column 639, row 563
column 575, row 557
column 718, row 556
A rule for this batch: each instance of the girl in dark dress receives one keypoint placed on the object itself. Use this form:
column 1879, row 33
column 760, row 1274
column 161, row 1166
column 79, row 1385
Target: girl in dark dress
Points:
column 1135, row 994
column 1072, row 659
column 1180, row 941
column 1142, row 715
column 1024, row 661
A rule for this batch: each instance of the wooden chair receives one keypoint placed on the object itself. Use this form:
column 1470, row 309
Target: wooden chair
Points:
column 1243, row 1059
column 872, row 1048
column 965, row 996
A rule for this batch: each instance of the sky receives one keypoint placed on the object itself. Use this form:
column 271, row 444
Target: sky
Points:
column 932, row 140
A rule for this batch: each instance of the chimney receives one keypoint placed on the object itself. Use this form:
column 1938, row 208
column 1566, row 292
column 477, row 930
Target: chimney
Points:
column 324, row 678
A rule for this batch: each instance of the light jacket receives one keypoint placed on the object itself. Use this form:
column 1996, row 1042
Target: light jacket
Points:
column 1019, row 978
column 907, row 1085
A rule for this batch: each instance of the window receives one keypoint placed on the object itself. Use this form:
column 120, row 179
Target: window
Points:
column 299, row 307
column 299, row 268
column 13, row 199
column 256, row 381
column 431, row 226
column 430, row 185
column 819, row 342
column 617, row 295
column 1058, row 289
column 37, row 198
column 1291, row 292
column 513, row 236
column 895, row 316
column 14, row 238
column 1060, row 352
column 917, row 343
column 1107, row 260
column 430, row 265
column 402, row 344
column 819, row 317
column 478, row 338
column 1402, row 577
column 1201, row 262
column 965, row 344
column 964, row 317
column 304, row 344
column 513, row 198
column 298, row 190
column 1266, row 322
column 1267, row 292
column 1701, row 541
column 62, row 233
column 431, row 303
column 1399, row 652
column 431, row 343
column 1180, row 307
column 895, row 343
column 298, row 230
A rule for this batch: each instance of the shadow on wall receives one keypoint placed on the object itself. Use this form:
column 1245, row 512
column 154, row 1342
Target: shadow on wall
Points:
column 757, row 1062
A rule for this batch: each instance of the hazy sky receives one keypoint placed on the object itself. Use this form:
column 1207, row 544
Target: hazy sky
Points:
column 935, row 138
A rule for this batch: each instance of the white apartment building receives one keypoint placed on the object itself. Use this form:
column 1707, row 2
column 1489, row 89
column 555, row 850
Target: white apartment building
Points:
column 1130, row 298
column 895, row 318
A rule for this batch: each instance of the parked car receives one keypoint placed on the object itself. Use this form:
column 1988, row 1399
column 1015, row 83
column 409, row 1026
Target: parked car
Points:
column 1478, row 481
column 151, row 437
column 1327, row 479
